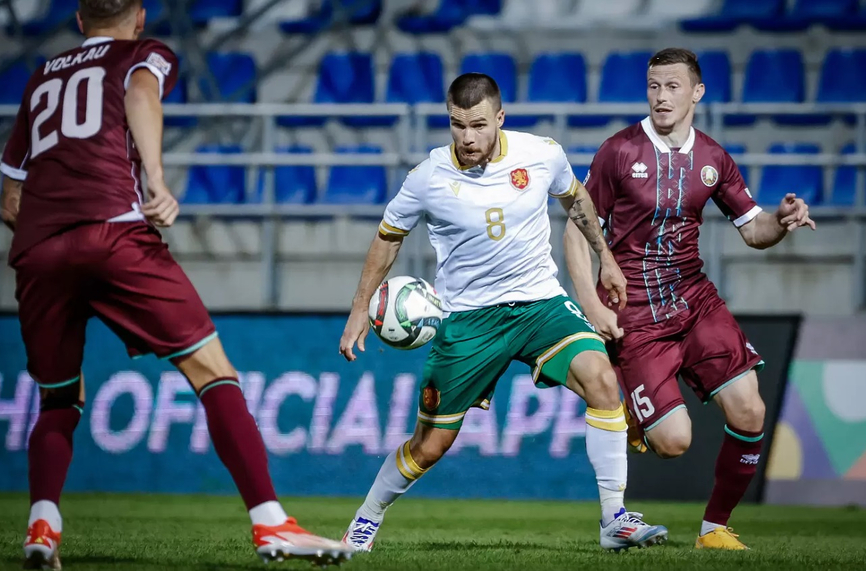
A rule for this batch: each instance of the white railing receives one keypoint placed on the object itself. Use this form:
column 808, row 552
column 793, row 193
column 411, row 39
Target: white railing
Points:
column 411, row 141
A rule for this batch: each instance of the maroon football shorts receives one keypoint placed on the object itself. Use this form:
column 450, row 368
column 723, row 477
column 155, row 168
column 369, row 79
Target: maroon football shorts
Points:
column 121, row 273
column 704, row 345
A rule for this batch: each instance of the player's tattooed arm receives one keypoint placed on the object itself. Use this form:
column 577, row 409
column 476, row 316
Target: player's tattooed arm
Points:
column 10, row 199
column 582, row 213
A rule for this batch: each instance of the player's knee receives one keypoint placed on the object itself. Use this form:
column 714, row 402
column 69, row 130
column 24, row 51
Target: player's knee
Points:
column 429, row 447
column 671, row 445
column 604, row 392
column 750, row 415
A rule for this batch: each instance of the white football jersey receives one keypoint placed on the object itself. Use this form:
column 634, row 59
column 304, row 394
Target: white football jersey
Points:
column 490, row 227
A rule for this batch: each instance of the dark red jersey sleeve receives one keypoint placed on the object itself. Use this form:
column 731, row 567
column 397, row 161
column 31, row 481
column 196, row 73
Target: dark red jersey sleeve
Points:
column 732, row 197
column 160, row 60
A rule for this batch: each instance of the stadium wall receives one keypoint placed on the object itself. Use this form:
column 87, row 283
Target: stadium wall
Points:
column 819, row 451
column 329, row 424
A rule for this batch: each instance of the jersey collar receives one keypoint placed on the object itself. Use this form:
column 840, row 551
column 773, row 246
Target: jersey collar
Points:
column 96, row 40
column 503, row 151
column 660, row 145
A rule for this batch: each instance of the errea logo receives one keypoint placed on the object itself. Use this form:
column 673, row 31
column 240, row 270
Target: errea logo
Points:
column 638, row 170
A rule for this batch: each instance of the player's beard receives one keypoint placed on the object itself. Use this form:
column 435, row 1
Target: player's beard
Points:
column 481, row 156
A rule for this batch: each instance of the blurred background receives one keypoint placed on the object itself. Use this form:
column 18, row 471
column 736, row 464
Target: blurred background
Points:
column 295, row 121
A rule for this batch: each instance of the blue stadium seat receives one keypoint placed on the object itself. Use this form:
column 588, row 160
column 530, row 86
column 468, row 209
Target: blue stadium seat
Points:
column 736, row 150
column 178, row 95
column 349, row 78
column 502, row 68
column 353, row 12
column 357, row 184
column 734, row 13
column 344, row 77
column 557, row 78
column 805, row 13
column 448, row 15
column 292, row 184
column 843, row 77
column 57, row 13
column 216, row 184
column 850, row 21
column 158, row 18
column 499, row 66
column 775, row 76
column 14, row 80
column 203, row 11
column 716, row 71
column 235, row 76
column 623, row 79
column 845, row 181
column 805, row 180
column 417, row 78
column 580, row 170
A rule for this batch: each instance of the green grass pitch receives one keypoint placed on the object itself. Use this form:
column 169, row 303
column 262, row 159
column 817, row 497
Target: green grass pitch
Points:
column 166, row 533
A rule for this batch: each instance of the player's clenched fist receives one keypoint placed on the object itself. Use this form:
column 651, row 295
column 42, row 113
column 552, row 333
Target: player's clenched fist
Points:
column 613, row 281
column 162, row 208
column 605, row 323
column 793, row 213
column 356, row 331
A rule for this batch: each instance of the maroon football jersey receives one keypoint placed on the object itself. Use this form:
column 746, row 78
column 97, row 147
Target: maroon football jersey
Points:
column 71, row 144
column 650, row 200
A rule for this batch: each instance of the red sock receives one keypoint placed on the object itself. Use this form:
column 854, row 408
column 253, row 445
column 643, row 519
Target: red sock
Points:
column 735, row 468
column 50, row 452
column 237, row 440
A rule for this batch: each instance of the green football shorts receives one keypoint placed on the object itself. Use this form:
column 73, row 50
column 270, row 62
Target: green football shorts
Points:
column 472, row 349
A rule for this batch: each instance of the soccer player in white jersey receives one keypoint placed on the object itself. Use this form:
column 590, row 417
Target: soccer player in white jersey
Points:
column 485, row 199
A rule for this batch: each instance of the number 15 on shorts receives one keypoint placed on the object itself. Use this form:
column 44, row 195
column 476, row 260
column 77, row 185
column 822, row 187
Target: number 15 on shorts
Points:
column 641, row 405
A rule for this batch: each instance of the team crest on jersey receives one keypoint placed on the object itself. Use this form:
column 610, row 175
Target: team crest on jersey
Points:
column 431, row 398
column 159, row 63
column 520, row 179
column 709, row 175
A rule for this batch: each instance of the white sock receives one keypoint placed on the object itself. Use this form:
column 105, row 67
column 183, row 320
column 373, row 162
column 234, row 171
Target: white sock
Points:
column 396, row 476
column 43, row 509
column 606, row 448
column 268, row 513
column 708, row 526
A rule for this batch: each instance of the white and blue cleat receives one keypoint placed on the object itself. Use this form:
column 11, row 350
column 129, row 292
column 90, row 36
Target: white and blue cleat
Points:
column 629, row 530
column 361, row 534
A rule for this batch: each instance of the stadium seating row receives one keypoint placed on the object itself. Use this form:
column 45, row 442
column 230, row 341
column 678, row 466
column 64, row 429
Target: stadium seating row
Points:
column 369, row 184
column 771, row 76
column 433, row 17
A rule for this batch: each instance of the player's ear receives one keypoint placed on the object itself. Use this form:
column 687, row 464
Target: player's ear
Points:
column 140, row 19
column 80, row 23
column 699, row 93
column 500, row 117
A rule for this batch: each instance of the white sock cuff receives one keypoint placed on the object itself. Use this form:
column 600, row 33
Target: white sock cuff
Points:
column 44, row 509
column 268, row 513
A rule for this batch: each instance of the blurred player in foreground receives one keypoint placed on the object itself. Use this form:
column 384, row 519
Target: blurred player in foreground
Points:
column 485, row 202
column 84, row 246
column 650, row 183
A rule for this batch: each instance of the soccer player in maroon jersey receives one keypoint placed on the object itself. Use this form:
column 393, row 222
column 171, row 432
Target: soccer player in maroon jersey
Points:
column 650, row 183
column 85, row 245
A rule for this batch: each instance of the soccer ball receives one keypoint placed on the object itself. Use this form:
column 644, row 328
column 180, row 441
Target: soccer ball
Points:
column 405, row 312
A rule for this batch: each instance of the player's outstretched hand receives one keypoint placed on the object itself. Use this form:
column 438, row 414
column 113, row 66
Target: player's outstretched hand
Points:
column 356, row 331
column 605, row 322
column 162, row 208
column 613, row 281
column 794, row 213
